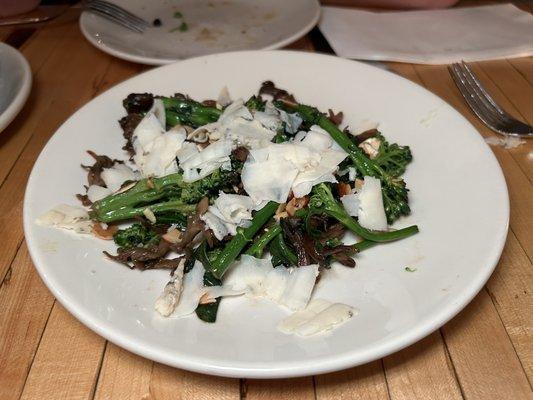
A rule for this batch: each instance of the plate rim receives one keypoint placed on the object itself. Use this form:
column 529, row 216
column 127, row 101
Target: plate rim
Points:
column 289, row 369
column 12, row 110
column 165, row 61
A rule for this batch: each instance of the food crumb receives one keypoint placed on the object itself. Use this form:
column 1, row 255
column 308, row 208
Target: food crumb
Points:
column 410, row 269
column 507, row 142
column 156, row 22
column 177, row 14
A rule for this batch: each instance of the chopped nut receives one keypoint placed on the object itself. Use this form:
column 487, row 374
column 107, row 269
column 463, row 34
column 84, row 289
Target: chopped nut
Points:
column 205, row 299
column 150, row 183
column 149, row 214
column 296, row 203
column 280, row 212
column 359, row 184
column 371, row 147
column 104, row 233
column 172, row 236
column 344, row 189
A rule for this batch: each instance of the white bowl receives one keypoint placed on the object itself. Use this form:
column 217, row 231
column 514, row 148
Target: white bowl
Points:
column 15, row 83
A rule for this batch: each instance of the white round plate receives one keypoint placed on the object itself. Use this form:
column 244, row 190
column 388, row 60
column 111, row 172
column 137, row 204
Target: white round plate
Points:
column 15, row 83
column 458, row 197
column 214, row 26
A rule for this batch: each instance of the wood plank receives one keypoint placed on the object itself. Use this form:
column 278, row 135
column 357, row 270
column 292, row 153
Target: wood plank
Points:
column 422, row 371
column 171, row 383
column 67, row 362
column 127, row 376
column 365, row 382
column 279, row 389
column 484, row 359
column 524, row 66
column 25, row 304
column 510, row 290
column 86, row 67
column 123, row 375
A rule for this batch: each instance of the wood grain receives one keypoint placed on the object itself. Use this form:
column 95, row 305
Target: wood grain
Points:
column 484, row 359
column 366, row 382
column 510, row 290
column 67, row 362
column 127, row 376
column 25, row 304
column 422, row 371
column 282, row 389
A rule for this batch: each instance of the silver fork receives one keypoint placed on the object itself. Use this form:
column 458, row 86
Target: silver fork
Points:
column 484, row 106
column 117, row 14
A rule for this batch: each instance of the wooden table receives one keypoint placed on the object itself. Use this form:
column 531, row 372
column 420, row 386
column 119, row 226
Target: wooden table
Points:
column 486, row 352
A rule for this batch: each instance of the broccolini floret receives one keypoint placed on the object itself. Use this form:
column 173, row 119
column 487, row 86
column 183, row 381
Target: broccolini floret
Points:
column 136, row 235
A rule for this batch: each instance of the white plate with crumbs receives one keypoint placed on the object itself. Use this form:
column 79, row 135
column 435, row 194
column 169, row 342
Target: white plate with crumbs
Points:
column 403, row 290
column 189, row 28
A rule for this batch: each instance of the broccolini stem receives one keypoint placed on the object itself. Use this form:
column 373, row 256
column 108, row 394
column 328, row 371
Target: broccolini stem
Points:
column 375, row 236
column 279, row 246
column 189, row 112
column 232, row 250
column 257, row 248
column 142, row 191
column 124, row 213
column 364, row 244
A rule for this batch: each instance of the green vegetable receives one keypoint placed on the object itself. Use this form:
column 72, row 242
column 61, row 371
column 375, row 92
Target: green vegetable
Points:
column 255, row 103
column 257, row 248
column 183, row 27
column 323, row 202
column 409, row 269
column 136, row 235
column 177, row 14
column 208, row 312
column 281, row 253
column 231, row 251
column 172, row 218
column 392, row 158
column 168, row 194
column 392, row 186
column 189, row 112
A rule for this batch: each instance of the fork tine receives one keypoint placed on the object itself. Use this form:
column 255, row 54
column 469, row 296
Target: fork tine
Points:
column 484, row 110
column 114, row 18
column 483, row 96
column 121, row 11
column 508, row 123
column 472, row 98
column 478, row 84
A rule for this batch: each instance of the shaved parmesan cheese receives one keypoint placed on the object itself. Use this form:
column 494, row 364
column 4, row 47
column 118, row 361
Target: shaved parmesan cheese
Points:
column 203, row 163
column 299, row 286
column 67, row 217
column 234, row 208
column 268, row 180
column 371, row 214
column 320, row 316
column 317, row 139
column 167, row 301
column 115, row 176
column 193, row 289
column 158, row 109
column 351, row 204
column 145, row 133
column 292, row 121
column 224, row 98
column 95, row 192
column 160, row 160
column 217, row 225
column 291, row 287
